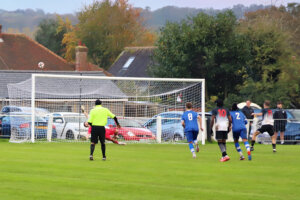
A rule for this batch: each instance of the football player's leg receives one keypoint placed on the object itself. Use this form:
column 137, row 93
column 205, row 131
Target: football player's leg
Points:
column 254, row 138
column 272, row 135
column 195, row 136
column 112, row 140
column 237, row 145
column 246, row 143
column 102, row 141
column 282, row 137
column 189, row 137
column 94, row 141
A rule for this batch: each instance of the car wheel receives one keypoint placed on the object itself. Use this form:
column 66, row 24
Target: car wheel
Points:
column 69, row 135
column 177, row 137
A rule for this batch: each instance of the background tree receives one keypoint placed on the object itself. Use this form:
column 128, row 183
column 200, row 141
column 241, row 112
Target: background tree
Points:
column 49, row 36
column 271, row 70
column 69, row 40
column 106, row 27
column 203, row 46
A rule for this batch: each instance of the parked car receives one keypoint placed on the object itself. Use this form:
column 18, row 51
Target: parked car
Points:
column 130, row 130
column 69, row 125
column 292, row 132
column 19, row 123
column 38, row 111
column 171, row 125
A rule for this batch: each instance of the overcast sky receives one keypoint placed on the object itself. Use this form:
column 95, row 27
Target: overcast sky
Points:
column 71, row 6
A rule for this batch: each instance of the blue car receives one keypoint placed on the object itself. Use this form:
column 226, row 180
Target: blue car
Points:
column 20, row 124
column 171, row 125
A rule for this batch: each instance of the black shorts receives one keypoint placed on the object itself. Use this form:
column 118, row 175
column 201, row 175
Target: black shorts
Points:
column 267, row 128
column 279, row 126
column 98, row 133
column 221, row 135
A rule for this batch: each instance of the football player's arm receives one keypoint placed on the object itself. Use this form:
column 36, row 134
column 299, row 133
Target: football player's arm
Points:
column 182, row 123
column 212, row 121
column 257, row 114
column 229, row 122
column 91, row 118
column 285, row 118
column 200, row 122
column 111, row 115
column 117, row 122
column 245, row 118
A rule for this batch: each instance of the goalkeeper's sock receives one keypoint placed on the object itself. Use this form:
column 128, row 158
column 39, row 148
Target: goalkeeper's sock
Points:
column 252, row 142
column 115, row 141
column 191, row 146
column 238, row 148
column 92, row 149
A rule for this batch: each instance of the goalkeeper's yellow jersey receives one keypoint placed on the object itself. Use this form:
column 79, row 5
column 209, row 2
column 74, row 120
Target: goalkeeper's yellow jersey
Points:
column 99, row 115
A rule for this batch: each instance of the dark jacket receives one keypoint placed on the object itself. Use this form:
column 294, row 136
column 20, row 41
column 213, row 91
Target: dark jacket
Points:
column 280, row 116
column 247, row 112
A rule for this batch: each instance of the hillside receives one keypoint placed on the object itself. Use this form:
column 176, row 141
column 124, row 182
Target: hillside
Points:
column 26, row 21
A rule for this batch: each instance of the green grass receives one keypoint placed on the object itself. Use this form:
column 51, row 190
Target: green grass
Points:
column 146, row 171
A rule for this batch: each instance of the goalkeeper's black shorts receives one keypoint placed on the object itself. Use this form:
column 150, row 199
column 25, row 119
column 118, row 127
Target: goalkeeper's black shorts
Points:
column 98, row 133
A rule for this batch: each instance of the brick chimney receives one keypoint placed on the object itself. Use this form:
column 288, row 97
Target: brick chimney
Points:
column 81, row 58
column 1, row 39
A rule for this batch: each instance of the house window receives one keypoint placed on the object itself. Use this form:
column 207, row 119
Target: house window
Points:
column 128, row 63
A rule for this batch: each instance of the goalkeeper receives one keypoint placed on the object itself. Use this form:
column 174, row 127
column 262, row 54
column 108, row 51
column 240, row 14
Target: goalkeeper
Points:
column 98, row 120
column 110, row 134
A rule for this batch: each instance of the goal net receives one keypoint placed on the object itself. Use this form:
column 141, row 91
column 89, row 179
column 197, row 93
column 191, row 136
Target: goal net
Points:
column 55, row 107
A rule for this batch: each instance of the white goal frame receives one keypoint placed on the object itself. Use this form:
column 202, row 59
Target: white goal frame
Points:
column 34, row 76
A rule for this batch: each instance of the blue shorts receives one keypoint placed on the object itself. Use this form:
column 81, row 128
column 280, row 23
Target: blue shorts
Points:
column 191, row 135
column 240, row 133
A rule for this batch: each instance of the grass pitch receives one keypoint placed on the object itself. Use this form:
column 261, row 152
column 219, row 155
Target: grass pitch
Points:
column 146, row 171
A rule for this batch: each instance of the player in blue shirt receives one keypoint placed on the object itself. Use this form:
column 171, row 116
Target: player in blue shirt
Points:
column 189, row 121
column 239, row 130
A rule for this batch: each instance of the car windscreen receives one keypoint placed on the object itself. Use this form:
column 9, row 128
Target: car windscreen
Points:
column 129, row 123
column 25, row 119
column 296, row 114
column 125, row 123
column 74, row 118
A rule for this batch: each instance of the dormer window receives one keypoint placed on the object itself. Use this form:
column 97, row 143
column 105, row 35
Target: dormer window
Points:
column 128, row 63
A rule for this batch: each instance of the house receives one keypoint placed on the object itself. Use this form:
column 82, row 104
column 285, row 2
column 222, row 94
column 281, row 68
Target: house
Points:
column 133, row 62
column 21, row 56
column 19, row 52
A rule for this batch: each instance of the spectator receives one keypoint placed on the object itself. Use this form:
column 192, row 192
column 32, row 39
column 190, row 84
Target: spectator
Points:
column 280, row 118
column 248, row 111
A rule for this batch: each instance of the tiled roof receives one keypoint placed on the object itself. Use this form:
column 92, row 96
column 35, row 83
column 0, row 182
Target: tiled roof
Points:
column 19, row 52
column 138, row 67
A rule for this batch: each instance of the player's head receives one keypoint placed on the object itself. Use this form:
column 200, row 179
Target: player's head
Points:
column 267, row 104
column 219, row 103
column 98, row 102
column 86, row 124
column 234, row 107
column 279, row 104
column 248, row 103
column 189, row 105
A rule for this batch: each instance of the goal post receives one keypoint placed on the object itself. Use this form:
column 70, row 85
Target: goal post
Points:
column 135, row 101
